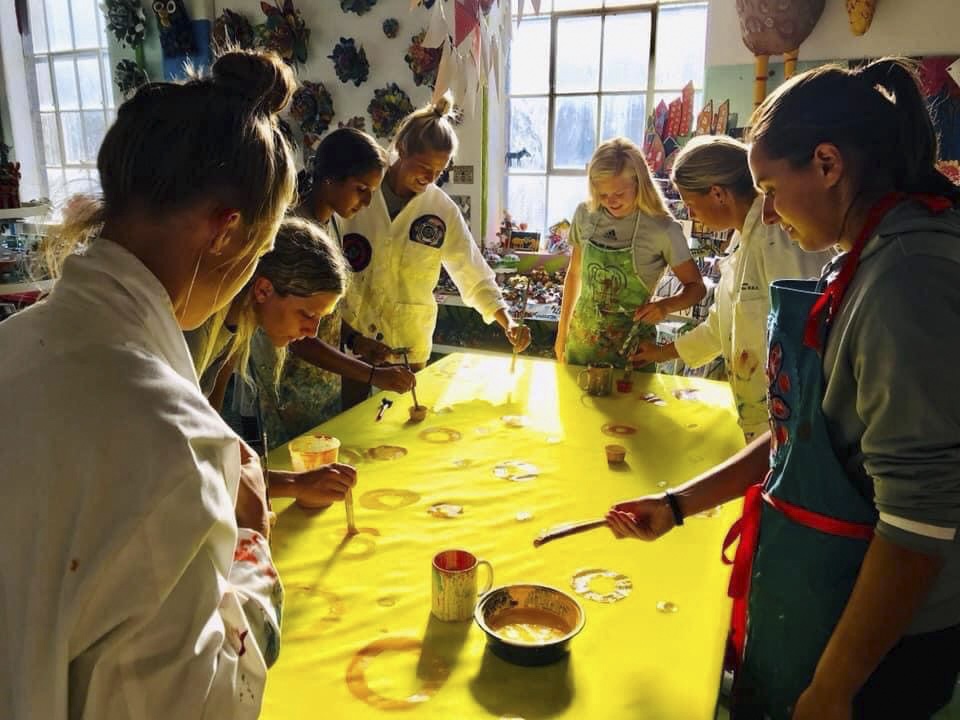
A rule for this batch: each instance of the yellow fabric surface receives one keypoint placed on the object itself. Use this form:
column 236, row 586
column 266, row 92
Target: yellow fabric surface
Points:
column 631, row 660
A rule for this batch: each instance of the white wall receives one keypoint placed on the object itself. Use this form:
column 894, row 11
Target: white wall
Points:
column 328, row 24
column 908, row 27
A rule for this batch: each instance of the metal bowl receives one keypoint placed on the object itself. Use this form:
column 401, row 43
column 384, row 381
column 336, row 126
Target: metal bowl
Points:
column 500, row 611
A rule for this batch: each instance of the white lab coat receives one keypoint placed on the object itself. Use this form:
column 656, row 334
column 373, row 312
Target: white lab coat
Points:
column 397, row 264
column 736, row 325
column 126, row 590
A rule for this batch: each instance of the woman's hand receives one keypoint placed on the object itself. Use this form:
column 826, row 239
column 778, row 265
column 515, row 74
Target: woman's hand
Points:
column 323, row 486
column 373, row 351
column 252, row 508
column 647, row 352
column 518, row 335
column 395, row 378
column 651, row 313
column 645, row 518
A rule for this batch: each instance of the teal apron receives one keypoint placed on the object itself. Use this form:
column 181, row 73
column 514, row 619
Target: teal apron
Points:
column 610, row 292
column 806, row 528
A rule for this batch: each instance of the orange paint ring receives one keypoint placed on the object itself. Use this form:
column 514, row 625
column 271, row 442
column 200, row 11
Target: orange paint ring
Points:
column 334, row 613
column 440, row 435
column 618, row 430
column 386, row 452
column 377, row 499
column 357, row 680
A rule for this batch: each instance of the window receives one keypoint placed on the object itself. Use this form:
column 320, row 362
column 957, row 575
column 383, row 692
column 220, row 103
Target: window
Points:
column 74, row 90
column 583, row 71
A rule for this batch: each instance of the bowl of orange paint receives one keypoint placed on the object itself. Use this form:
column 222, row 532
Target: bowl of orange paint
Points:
column 528, row 624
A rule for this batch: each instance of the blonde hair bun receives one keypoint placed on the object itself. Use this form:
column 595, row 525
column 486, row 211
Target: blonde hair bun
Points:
column 261, row 77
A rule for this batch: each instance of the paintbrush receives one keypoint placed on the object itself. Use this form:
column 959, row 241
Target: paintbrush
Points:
column 384, row 404
column 413, row 388
column 561, row 531
column 520, row 323
column 271, row 515
column 348, row 504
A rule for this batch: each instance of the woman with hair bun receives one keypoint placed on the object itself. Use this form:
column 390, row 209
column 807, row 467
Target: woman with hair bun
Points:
column 137, row 574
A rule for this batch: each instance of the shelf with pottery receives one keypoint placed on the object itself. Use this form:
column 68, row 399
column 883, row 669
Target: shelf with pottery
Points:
column 24, row 211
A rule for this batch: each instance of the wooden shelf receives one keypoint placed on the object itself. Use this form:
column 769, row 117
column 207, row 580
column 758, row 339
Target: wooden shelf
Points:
column 24, row 212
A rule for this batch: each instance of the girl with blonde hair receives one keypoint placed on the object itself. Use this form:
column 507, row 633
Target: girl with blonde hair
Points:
column 398, row 244
column 713, row 178
column 137, row 521
column 623, row 238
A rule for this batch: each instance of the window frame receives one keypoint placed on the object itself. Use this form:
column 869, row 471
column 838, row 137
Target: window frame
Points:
column 653, row 8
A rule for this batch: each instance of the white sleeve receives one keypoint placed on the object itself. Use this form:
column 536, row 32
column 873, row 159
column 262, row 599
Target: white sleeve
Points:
column 194, row 609
column 781, row 258
column 469, row 271
column 701, row 344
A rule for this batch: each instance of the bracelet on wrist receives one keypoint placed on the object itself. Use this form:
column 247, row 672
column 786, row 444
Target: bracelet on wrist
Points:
column 373, row 369
column 674, row 507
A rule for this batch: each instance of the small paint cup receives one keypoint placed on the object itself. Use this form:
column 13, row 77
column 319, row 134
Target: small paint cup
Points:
column 616, row 454
column 418, row 413
column 624, row 386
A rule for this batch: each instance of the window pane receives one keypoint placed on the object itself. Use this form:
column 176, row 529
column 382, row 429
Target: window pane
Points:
column 85, row 23
column 38, row 26
column 577, row 4
column 44, row 90
column 527, row 201
column 528, row 131
column 623, row 116
column 51, row 139
column 91, row 94
column 94, row 130
column 66, row 80
column 58, row 17
column 626, row 51
column 678, row 60
column 78, row 181
column 563, row 196
column 578, row 54
column 108, row 78
column 574, row 131
column 57, row 184
column 529, row 53
column 74, row 144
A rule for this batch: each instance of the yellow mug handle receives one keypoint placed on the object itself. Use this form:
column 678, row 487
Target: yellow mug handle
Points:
column 489, row 582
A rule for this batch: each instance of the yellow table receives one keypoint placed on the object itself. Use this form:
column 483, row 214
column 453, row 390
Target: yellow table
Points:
column 362, row 607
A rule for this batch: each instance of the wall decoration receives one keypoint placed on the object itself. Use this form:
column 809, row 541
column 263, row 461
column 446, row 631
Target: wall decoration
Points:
column 357, row 122
column 232, row 28
column 360, row 7
column 312, row 108
column 129, row 76
column 388, row 107
column 860, row 14
column 462, row 202
column 284, row 32
column 775, row 29
column 176, row 30
column 462, row 174
column 125, row 19
column 349, row 62
column 391, row 26
column 423, row 61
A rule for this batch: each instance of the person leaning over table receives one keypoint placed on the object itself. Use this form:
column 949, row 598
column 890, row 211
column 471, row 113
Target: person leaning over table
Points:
column 295, row 285
column 846, row 581
column 397, row 245
column 623, row 238
column 713, row 178
column 137, row 579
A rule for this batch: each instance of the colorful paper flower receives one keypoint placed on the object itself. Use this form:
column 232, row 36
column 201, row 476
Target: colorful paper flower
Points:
column 388, row 107
column 349, row 62
column 232, row 28
column 284, row 32
column 129, row 76
column 423, row 61
column 312, row 108
column 391, row 26
column 360, row 7
column 126, row 20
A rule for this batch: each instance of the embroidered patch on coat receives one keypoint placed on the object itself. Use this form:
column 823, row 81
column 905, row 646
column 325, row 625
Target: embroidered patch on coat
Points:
column 428, row 230
column 357, row 250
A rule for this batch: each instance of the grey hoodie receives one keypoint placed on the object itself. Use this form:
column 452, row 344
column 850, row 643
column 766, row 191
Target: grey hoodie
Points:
column 892, row 407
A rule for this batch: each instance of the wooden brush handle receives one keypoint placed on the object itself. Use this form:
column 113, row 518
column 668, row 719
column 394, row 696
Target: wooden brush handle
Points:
column 560, row 531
